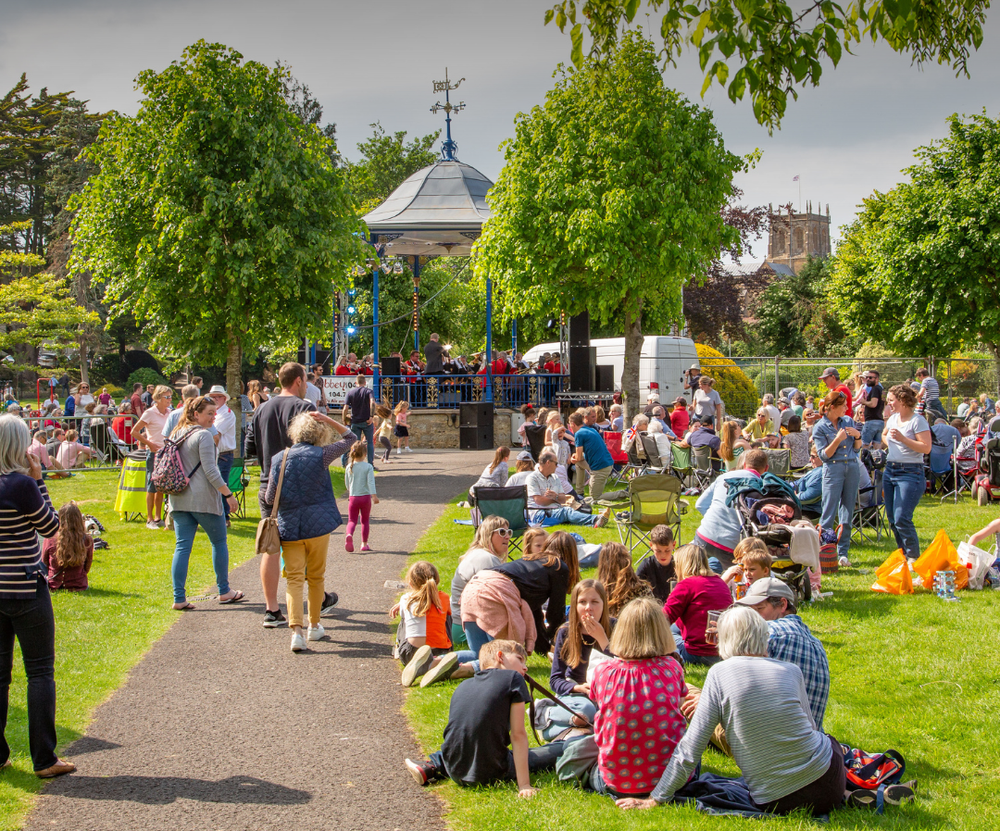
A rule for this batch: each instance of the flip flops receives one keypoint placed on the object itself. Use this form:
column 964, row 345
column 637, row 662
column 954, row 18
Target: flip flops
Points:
column 236, row 598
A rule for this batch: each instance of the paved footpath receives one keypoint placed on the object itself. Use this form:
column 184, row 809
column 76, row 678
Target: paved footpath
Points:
column 222, row 727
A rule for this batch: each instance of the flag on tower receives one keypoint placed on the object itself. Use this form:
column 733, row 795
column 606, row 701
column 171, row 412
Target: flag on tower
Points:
column 795, row 179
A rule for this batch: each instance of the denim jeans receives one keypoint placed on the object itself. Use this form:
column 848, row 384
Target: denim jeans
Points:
column 567, row 516
column 840, row 496
column 225, row 465
column 31, row 622
column 871, row 431
column 596, row 783
column 687, row 657
column 475, row 637
column 185, row 525
column 539, row 759
column 903, row 485
column 368, row 431
column 559, row 719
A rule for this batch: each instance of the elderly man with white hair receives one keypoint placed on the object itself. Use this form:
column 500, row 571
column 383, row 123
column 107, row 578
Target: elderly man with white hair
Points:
column 786, row 762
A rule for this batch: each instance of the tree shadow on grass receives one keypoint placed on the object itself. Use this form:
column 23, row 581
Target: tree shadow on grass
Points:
column 164, row 790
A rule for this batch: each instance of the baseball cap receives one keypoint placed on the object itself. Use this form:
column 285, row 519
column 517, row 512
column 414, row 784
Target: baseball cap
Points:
column 218, row 390
column 653, row 396
column 525, row 456
column 764, row 588
column 830, row 370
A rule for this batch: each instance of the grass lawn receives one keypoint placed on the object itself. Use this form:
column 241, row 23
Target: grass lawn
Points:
column 103, row 632
column 912, row 673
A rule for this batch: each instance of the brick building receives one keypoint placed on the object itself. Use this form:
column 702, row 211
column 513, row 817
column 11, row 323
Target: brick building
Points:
column 794, row 237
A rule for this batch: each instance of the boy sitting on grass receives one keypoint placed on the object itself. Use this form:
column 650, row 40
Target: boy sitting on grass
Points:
column 658, row 570
column 486, row 716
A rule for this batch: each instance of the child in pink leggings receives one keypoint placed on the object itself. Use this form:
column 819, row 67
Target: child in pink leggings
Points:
column 359, row 476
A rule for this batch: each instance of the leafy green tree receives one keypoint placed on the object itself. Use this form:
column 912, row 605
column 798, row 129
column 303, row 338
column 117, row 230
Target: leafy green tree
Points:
column 36, row 307
column 919, row 270
column 386, row 162
column 216, row 217
column 610, row 200
column 776, row 46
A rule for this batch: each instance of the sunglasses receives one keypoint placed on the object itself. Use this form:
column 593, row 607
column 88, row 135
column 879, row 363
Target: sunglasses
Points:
column 504, row 532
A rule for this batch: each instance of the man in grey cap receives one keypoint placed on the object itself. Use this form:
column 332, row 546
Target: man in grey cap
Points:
column 831, row 377
column 790, row 640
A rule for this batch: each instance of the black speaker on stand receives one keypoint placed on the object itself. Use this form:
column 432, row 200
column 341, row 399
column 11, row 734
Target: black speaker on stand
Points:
column 390, row 366
column 579, row 330
column 475, row 426
column 582, row 360
column 605, row 379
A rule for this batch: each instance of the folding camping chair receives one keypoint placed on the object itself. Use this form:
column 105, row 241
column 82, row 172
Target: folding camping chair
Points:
column 869, row 521
column 511, row 503
column 681, row 465
column 654, row 499
column 635, row 465
column 657, row 463
column 238, row 481
column 704, row 467
column 779, row 461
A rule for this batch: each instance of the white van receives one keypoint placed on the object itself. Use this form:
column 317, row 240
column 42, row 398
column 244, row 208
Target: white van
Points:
column 663, row 362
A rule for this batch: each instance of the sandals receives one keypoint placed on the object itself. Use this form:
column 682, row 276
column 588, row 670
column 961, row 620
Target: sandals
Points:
column 186, row 607
column 888, row 794
column 236, row 598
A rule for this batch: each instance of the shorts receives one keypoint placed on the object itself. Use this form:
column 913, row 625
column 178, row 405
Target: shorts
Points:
column 150, row 459
column 401, row 431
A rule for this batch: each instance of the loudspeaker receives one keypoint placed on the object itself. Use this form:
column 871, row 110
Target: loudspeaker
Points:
column 604, row 377
column 476, row 415
column 582, row 360
column 390, row 366
column 579, row 330
column 475, row 438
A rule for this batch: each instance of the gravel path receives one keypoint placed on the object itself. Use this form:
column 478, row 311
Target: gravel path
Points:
column 222, row 727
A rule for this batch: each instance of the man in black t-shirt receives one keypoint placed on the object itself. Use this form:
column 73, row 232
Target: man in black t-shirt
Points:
column 361, row 402
column 873, row 401
column 486, row 716
column 267, row 435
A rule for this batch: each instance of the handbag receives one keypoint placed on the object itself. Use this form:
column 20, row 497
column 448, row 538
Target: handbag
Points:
column 268, row 540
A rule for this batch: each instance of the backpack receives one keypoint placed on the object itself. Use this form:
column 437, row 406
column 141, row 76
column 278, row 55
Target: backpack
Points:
column 871, row 772
column 168, row 469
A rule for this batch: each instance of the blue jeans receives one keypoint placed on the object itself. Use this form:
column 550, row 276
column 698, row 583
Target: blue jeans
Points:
column 840, row 495
column 687, row 657
column 368, row 431
column 185, row 525
column 225, row 465
column 903, row 485
column 539, row 759
column 31, row 622
column 596, row 783
column 567, row 516
column 871, row 431
column 475, row 637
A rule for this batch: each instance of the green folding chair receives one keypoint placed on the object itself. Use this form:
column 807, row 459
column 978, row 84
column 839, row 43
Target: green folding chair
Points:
column 238, row 482
column 654, row 499
column 511, row 503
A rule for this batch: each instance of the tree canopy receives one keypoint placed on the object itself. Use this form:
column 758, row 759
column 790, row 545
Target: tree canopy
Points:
column 919, row 270
column 386, row 162
column 767, row 49
column 217, row 215
column 610, row 200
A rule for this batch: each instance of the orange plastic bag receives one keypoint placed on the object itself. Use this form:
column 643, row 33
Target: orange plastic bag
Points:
column 893, row 576
column 941, row 555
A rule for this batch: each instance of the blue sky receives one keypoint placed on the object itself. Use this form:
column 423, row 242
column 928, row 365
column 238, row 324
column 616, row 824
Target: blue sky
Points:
column 376, row 61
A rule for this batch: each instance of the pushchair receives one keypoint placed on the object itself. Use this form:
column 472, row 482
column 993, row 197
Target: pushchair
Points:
column 777, row 538
column 986, row 486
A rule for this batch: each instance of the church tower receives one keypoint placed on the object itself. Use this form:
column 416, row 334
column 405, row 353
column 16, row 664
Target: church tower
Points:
column 794, row 237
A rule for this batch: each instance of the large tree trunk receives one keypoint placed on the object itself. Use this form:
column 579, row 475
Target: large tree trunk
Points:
column 630, row 371
column 995, row 349
column 234, row 382
column 84, row 355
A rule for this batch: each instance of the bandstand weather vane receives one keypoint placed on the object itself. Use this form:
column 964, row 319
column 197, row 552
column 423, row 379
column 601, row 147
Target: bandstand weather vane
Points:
column 448, row 146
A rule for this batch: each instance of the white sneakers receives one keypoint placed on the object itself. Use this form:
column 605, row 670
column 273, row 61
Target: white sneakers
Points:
column 409, row 449
column 313, row 633
column 399, row 452
column 316, row 633
column 298, row 642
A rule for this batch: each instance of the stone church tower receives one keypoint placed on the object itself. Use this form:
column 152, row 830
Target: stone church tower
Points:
column 794, row 237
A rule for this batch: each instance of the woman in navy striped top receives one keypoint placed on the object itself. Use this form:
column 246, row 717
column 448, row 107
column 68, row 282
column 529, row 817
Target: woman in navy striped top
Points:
column 25, row 604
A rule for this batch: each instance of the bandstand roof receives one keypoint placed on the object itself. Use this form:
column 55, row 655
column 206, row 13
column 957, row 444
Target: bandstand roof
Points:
column 438, row 212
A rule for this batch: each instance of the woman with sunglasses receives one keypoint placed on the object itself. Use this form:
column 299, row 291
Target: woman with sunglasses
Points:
column 199, row 503
column 489, row 548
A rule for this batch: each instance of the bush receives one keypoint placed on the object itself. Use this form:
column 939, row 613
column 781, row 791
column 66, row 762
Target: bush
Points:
column 145, row 376
column 737, row 391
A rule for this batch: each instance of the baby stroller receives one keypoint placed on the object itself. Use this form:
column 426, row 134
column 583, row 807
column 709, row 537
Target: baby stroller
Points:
column 777, row 538
column 986, row 486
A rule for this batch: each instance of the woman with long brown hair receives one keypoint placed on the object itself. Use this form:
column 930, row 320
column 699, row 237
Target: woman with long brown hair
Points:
column 732, row 444
column 622, row 584
column 200, row 502
column 838, row 440
column 69, row 554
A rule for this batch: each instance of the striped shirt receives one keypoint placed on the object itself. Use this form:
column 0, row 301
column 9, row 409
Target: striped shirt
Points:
column 762, row 705
column 932, row 392
column 25, row 512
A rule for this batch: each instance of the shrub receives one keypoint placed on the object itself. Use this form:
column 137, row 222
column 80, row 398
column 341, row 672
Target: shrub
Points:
column 145, row 376
column 738, row 392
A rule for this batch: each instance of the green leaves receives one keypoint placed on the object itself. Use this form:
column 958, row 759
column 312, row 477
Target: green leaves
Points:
column 781, row 43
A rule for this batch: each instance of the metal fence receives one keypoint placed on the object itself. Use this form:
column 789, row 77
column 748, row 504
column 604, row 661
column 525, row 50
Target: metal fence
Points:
column 448, row 392
column 107, row 438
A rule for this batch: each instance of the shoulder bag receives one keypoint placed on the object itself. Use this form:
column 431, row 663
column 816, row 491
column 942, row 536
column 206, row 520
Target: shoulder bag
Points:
column 268, row 539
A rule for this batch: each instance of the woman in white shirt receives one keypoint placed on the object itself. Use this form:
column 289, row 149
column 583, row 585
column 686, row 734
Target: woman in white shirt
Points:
column 908, row 438
column 662, row 440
